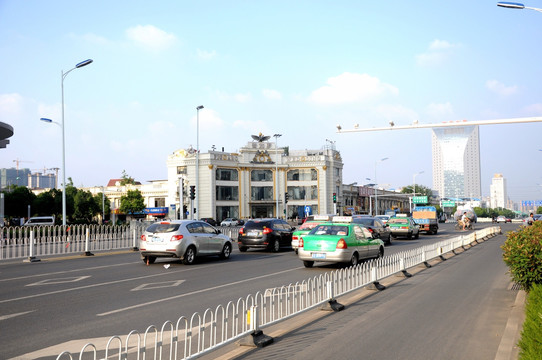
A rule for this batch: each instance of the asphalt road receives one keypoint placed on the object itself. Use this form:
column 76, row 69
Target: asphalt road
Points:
column 46, row 304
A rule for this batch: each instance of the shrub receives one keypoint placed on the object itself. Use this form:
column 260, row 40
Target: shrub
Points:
column 522, row 253
column 530, row 343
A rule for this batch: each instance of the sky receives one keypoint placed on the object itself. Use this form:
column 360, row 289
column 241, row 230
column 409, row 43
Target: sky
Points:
column 297, row 68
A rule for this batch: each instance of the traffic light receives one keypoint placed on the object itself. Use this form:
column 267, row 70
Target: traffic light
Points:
column 185, row 209
column 192, row 192
column 286, row 197
column 334, row 198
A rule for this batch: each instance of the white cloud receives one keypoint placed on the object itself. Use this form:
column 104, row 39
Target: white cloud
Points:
column 499, row 88
column 208, row 120
column 205, row 55
column 533, row 110
column 11, row 106
column 150, row 37
column 351, row 88
column 271, row 94
column 398, row 113
column 437, row 53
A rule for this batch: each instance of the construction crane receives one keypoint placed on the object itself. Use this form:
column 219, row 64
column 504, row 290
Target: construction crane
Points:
column 17, row 161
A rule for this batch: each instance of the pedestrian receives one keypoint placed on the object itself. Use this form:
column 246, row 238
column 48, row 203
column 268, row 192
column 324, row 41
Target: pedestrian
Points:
column 530, row 219
column 465, row 219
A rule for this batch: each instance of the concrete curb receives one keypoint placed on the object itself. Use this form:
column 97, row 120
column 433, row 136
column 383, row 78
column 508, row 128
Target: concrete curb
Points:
column 508, row 349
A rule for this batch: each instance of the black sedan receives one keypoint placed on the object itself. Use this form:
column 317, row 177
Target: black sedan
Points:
column 375, row 226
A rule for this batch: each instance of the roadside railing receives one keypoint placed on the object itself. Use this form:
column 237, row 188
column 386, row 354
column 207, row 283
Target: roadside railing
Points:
column 34, row 241
column 15, row 242
column 192, row 337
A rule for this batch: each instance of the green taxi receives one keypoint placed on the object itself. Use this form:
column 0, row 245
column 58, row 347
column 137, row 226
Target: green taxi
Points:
column 306, row 228
column 339, row 241
column 402, row 225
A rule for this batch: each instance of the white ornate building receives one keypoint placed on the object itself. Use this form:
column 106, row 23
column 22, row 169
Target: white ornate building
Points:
column 254, row 181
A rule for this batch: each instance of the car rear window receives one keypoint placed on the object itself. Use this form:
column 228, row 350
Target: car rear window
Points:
column 309, row 225
column 364, row 221
column 397, row 221
column 257, row 224
column 163, row 228
column 330, row 230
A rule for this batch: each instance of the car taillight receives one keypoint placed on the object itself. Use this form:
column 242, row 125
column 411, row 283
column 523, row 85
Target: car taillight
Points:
column 267, row 230
column 295, row 237
column 341, row 244
column 371, row 230
column 143, row 238
column 241, row 231
column 176, row 238
column 300, row 242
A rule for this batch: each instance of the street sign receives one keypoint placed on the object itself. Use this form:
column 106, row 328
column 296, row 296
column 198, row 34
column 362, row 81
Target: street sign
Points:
column 419, row 199
column 448, row 203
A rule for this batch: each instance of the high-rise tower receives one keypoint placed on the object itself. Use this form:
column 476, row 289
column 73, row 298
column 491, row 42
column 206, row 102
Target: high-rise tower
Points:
column 456, row 162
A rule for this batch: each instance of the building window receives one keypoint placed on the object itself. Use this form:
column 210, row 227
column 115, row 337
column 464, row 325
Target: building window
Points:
column 223, row 212
column 159, row 202
column 261, row 175
column 261, row 193
column 227, row 193
column 227, row 174
column 303, row 192
column 302, row 175
column 181, row 170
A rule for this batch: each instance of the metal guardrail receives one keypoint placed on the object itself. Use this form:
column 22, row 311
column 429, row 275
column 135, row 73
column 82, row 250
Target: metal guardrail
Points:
column 15, row 242
column 200, row 334
column 33, row 241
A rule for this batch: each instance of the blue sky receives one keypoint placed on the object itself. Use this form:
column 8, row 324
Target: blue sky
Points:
column 292, row 67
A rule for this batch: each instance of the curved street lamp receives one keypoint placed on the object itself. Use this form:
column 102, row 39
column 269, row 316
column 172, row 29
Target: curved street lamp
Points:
column 514, row 5
column 63, row 76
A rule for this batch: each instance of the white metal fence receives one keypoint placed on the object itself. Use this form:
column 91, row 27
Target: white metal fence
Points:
column 15, row 242
column 202, row 333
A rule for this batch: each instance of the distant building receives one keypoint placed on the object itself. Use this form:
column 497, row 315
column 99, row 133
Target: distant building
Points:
column 13, row 176
column 498, row 193
column 456, row 162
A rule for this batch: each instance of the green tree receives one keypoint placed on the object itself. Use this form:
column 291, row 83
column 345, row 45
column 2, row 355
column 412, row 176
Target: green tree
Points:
column 480, row 212
column 126, row 179
column 420, row 191
column 71, row 191
column 85, row 207
column 539, row 210
column 16, row 201
column 132, row 202
column 104, row 204
column 44, row 204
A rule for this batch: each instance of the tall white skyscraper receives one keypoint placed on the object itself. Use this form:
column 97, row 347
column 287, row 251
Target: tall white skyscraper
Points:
column 456, row 162
column 497, row 192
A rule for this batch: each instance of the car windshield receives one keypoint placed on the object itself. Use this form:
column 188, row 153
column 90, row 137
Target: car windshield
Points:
column 398, row 221
column 330, row 230
column 257, row 225
column 309, row 225
column 163, row 228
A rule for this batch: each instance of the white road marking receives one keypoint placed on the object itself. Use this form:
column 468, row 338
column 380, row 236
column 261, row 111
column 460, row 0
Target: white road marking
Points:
column 59, row 280
column 158, row 285
column 193, row 292
column 5, row 317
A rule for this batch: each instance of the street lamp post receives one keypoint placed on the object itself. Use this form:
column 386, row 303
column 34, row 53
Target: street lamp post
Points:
column 197, row 159
column 414, row 187
column 277, row 172
column 63, row 76
column 514, row 5
column 376, row 183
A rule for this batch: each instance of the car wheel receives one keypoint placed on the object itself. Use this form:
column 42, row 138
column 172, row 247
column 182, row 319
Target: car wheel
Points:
column 389, row 240
column 380, row 253
column 308, row 264
column 243, row 248
column 276, row 246
column 226, row 251
column 393, row 236
column 417, row 235
column 189, row 256
column 296, row 251
column 354, row 259
column 149, row 259
column 409, row 236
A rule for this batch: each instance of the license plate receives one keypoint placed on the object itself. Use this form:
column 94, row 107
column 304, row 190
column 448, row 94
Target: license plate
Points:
column 318, row 256
column 156, row 239
column 253, row 233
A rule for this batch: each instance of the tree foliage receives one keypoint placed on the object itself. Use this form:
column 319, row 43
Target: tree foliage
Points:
column 126, row 179
column 132, row 202
column 420, row 191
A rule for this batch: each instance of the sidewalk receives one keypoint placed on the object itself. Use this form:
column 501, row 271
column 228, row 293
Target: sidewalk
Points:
column 319, row 326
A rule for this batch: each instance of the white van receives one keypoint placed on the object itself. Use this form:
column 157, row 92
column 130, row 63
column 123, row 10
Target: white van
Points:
column 40, row 221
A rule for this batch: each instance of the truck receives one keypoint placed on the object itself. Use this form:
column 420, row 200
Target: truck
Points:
column 426, row 217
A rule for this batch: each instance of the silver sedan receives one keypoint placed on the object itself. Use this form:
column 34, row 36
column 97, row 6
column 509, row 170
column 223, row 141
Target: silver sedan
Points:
column 183, row 239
